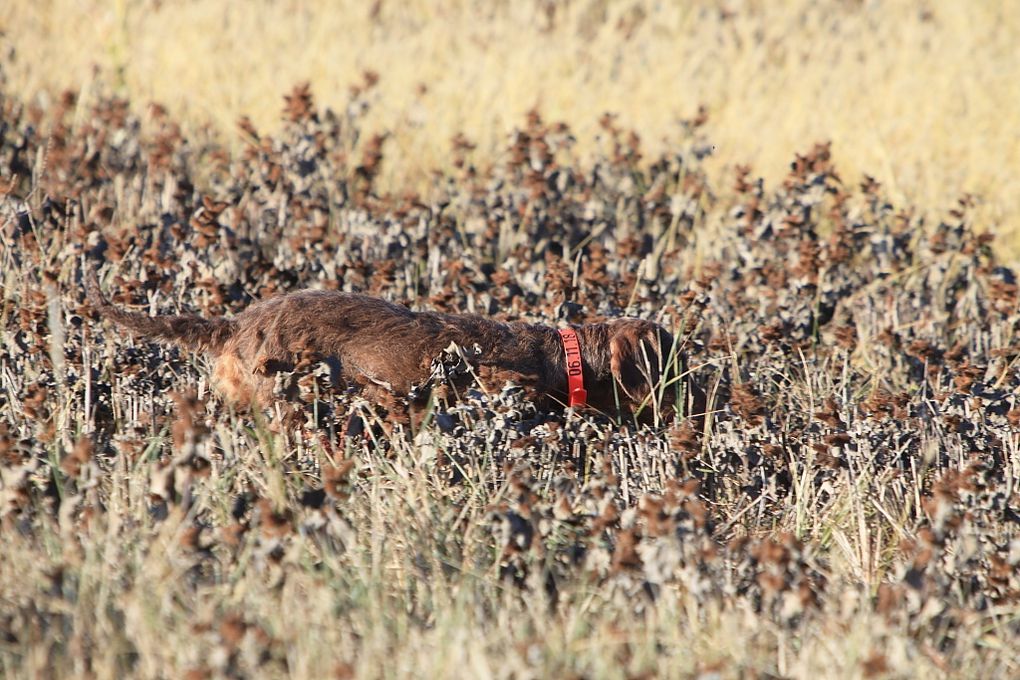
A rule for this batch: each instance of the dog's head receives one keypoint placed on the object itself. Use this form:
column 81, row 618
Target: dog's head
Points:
column 646, row 365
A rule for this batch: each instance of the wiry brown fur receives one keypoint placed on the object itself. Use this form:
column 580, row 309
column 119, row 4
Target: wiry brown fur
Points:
column 378, row 343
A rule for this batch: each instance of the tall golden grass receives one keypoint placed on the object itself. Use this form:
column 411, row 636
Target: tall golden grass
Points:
column 923, row 96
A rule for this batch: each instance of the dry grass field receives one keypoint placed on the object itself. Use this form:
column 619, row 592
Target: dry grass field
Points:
column 922, row 96
column 848, row 509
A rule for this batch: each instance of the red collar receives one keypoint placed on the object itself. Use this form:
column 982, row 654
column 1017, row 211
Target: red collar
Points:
column 575, row 376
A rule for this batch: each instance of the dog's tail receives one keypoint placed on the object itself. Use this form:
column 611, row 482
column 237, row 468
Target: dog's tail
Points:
column 188, row 330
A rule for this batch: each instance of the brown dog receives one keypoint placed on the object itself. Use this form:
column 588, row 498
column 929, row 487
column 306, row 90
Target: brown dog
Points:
column 627, row 364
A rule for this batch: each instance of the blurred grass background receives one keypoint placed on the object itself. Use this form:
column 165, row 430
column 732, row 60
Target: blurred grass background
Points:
column 924, row 96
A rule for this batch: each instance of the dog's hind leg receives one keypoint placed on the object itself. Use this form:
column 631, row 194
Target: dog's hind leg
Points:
column 239, row 384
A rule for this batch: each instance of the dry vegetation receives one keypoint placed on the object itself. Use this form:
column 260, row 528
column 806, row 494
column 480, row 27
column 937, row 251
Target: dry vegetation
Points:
column 924, row 96
column 849, row 509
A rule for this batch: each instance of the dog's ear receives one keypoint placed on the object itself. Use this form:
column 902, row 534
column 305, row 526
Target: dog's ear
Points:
column 637, row 351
